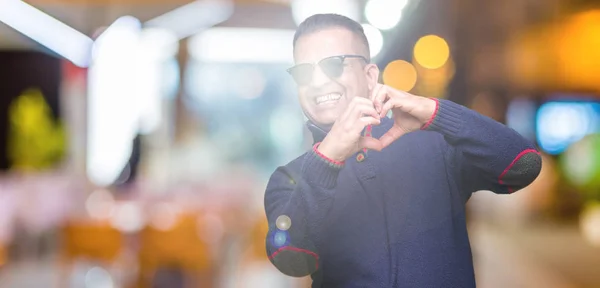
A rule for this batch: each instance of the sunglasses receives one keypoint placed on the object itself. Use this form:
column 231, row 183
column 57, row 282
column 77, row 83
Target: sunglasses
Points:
column 332, row 66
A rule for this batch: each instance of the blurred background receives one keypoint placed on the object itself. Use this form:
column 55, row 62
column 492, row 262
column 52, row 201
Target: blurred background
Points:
column 137, row 136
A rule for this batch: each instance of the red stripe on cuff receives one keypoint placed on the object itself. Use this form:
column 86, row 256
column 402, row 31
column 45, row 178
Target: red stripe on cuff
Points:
column 513, row 163
column 437, row 108
column 289, row 248
column 334, row 162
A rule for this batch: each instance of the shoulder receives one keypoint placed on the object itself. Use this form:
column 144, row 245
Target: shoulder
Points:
column 288, row 171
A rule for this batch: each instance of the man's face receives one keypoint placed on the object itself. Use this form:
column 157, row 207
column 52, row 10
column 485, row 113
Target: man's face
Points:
column 324, row 98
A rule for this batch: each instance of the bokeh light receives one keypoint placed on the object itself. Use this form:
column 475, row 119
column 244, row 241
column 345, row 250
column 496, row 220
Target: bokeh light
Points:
column 100, row 204
column 375, row 39
column 434, row 82
column 98, row 277
column 384, row 14
column 164, row 216
column 590, row 223
column 283, row 222
column 577, row 43
column 279, row 239
column 581, row 164
column 302, row 9
column 128, row 217
column 400, row 74
column 559, row 124
column 431, row 51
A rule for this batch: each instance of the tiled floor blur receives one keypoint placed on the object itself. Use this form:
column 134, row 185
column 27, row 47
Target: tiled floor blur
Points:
column 537, row 256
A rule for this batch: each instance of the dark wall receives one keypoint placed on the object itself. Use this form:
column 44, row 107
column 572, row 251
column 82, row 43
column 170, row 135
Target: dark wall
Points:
column 21, row 70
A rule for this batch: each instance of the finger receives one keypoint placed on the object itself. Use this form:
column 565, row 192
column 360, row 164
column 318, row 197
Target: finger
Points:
column 384, row 95
column 351, row 110
column 391, row 103
column 374, row 98
column 390, row 136
column 370, row 143
column 366, row 121
column 361, row 100
column 362, row 109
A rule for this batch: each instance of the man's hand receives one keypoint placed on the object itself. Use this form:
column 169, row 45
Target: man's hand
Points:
column 410, row 112
column 345, row 137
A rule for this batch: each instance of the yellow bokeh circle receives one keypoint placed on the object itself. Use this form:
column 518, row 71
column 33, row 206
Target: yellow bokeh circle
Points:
column 431, row 51
column 400, row 74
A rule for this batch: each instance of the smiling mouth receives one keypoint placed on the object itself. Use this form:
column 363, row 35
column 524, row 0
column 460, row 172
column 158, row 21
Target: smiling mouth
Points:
column 329, row 98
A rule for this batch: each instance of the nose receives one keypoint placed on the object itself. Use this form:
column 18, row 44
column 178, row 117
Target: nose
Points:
column 319, row 78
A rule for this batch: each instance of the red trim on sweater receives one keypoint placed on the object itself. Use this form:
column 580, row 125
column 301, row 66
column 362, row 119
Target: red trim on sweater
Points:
column 289, row 248
column 437, row 108
column 325, row 157
column 368, row 134
column 513, row 163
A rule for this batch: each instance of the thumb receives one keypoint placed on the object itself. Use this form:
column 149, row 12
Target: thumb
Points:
column 370, row 143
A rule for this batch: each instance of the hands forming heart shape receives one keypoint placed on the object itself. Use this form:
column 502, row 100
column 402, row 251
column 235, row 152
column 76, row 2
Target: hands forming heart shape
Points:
column 410, row 113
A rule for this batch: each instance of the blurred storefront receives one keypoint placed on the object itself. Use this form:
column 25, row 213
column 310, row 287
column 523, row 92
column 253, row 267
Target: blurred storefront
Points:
column 135, row 150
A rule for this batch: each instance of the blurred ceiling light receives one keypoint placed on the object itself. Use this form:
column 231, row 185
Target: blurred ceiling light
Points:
column 384, row 14
column 159, row 43
column 302, row 9
column 113, row 109
column 189, row 19
column 431, row 51
column 242, row 45
column 46, row 30
column 125, row 28
column 400, row 75
column 375, row 39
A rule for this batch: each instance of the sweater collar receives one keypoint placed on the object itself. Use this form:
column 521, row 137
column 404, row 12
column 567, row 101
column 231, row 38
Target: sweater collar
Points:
column 317, row 132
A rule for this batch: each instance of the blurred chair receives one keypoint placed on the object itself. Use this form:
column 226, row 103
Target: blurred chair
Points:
column 93, row 241
column 170, row 253
column 3, row 256
column 258, row 250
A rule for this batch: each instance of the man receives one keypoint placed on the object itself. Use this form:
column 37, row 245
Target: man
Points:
column 380, row 202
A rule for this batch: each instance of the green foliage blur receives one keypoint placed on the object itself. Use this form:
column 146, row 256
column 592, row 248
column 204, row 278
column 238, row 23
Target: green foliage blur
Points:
column 36, row 141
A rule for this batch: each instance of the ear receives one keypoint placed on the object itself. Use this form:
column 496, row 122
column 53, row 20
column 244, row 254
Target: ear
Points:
column 372, row 73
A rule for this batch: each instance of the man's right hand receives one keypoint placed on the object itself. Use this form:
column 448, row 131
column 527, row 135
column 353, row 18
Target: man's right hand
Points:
column 344, row 139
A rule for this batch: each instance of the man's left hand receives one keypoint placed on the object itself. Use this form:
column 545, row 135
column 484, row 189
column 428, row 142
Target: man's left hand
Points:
column 410, row 112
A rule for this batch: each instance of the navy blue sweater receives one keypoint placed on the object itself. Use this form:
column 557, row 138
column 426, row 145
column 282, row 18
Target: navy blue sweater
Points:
column 394, row 218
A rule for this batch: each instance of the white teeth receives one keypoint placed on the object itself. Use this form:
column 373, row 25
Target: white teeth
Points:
column 328, row 97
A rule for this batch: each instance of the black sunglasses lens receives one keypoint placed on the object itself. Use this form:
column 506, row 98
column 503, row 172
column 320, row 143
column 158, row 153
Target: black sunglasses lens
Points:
column 302, row 73
column 332, row 67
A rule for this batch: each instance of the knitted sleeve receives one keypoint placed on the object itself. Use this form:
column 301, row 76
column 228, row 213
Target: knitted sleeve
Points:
column 486, row 154
column 297, row 202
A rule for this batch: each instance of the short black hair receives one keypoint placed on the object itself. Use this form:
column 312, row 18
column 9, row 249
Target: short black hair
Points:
column 320, row 22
